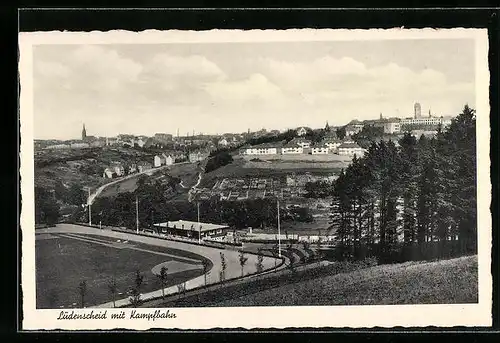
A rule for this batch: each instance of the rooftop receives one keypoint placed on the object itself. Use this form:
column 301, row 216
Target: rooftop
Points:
column 189, row 225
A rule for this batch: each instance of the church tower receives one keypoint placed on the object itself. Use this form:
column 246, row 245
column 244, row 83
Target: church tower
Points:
column 84, row 133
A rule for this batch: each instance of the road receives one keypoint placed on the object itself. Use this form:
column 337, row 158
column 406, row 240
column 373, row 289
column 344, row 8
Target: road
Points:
column 233, row 269
column 150, row 172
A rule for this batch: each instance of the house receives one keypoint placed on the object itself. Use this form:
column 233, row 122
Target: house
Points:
column 351, row 149
column 264, row 149
column 301, row 131
column 292, row 147
column 163, row 136
column 108, row 173
column 353, row 127
column 118, row 169
column 331, row 143
column 388, row 125
column 194, row 230
column 169, row 160
column 223, row 142
column 111, row 141
column 97, row 144
column 140, row 142
column 319, row 149
column 132, row 168
column 158, row 161
column 304, row 143
column 197, row 156
column 144, row 166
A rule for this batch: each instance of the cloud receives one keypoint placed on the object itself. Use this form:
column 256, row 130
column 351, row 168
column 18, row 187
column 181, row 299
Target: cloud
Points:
column 254, row 88
column 333, row 83
column 104, row 60
column 110, row 87
column 173, row 69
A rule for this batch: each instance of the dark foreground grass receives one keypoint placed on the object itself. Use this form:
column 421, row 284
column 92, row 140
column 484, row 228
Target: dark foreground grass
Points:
column 443, row 282
column 62, row 263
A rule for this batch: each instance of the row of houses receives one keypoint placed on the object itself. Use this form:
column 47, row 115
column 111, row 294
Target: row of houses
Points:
column 117, row 169
column 302, row 146
column 163, row 160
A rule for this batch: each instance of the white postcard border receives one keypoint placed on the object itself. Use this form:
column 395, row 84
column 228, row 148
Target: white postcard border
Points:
column 260, row 317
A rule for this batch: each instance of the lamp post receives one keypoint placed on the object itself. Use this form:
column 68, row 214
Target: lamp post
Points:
column 137, row 214
column 279, row 229
column 199, row 227
column 89, row 205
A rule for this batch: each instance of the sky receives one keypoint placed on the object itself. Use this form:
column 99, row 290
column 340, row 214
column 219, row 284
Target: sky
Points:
column 213, row 88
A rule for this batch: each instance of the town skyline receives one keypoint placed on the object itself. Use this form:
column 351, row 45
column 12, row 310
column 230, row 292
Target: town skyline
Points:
column 177, row 133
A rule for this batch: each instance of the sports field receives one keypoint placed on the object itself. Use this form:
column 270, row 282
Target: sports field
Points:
column 63, row 260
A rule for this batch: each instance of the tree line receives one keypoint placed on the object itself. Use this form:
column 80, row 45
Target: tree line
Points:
column 415, row 201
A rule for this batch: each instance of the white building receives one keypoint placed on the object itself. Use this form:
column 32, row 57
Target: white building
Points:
column 118, row 170
column 169, row 160
column 353, row 127
column 427, row 121
column 223, row 142
column 261, row 150
column 292, row 149
column 144, row 166
column 319, row 149
column 351, row 149
column 197, row 157
column 108, row 173
column 301, row 131
column 332, row 144
column 158, row 161
column 264, row 149
column 392, row 126
column 140, row 142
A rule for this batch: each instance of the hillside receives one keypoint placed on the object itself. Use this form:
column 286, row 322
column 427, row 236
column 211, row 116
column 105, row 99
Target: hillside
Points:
column 441, row 282
column 83, row 166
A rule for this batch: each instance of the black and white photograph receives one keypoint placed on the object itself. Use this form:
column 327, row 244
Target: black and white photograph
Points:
column 294, row 178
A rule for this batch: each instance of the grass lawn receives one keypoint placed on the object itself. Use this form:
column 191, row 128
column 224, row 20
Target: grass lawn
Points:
column 62, row 263
column 127, row 185
column 441, row 282
column 241, row 168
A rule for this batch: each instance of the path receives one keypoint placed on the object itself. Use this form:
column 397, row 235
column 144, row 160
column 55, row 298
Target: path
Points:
column 99, row 190
column 200, row 175
column 213, row 254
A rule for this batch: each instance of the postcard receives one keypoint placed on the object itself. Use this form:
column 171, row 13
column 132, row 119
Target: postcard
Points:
column 255, row 179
